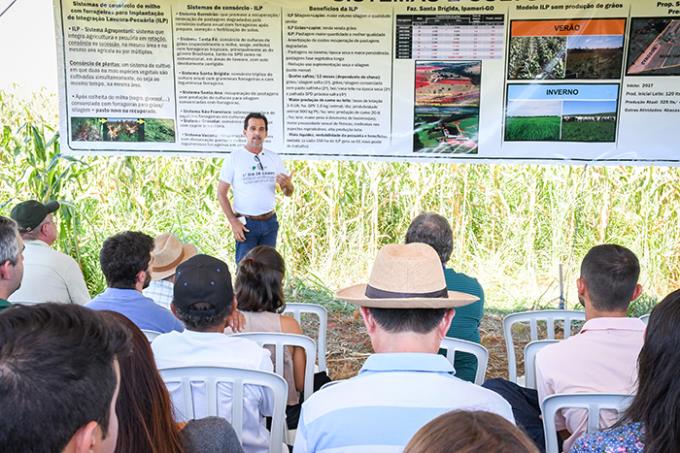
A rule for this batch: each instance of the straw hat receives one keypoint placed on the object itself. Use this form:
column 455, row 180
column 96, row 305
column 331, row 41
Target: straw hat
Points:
column 167, row 254
column 406, row 276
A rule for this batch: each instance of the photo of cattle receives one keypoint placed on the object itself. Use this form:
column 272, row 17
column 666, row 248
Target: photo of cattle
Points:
column 561, row 113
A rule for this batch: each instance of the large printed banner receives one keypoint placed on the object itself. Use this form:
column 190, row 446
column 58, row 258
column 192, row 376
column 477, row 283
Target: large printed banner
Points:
column 430, row 80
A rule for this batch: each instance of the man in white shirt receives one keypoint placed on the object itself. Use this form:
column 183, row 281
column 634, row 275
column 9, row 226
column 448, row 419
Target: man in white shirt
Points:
column 49, row 275
column 204, row 300
column 407, row 311
column 252, row 173
column 168, row 253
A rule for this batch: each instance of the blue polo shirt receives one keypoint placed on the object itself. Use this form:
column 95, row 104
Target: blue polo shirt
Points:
column 137, row 308
column 393, row 396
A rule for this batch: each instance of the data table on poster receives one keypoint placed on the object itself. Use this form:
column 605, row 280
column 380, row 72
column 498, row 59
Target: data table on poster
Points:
column 450, row 37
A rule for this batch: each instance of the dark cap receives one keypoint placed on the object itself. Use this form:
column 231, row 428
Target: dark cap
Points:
column 205, row 279
column 29, row 214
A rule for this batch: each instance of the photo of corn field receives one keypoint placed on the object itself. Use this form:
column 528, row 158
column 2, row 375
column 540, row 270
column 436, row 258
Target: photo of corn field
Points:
column 122, row 130
column 537, row 57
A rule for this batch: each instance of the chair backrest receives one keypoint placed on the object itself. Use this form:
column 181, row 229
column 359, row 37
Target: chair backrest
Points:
column 530, row 351
column 453, row 345
column 297, row 310
column 592, row 402
column 238, row 378
column 280, row 341
column 150, row 334
column 532, row 317
column 645, row 318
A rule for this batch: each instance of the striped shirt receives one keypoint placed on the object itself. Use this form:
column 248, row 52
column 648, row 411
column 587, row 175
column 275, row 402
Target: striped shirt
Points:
column 161, row 292
column 379, row 410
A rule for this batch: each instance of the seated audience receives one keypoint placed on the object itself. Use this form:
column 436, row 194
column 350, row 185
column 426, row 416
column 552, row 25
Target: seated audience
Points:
column 145, row 419
column 168, row 253
column 259, row 292
column 601, row 358
column 49, row 275
column 407, row 311
column 11, row 260
column 59, row 379
column 434, row 230
column 651, row 424
column 470, row 432
column 125, row 259
column 204, row 300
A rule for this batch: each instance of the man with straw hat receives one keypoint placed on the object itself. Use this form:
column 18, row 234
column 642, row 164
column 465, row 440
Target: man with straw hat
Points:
column 168, row 253
column 407, row 310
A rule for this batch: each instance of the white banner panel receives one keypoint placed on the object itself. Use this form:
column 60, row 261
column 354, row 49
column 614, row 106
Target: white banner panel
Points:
column 431, row 80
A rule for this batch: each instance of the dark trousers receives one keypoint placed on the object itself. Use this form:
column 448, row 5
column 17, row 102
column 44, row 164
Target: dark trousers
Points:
column 260, row 232
column 525, row 407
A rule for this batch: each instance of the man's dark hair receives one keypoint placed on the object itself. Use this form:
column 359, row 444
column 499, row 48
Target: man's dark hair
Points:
column 418, row 320
column 56, row 374
column 202, row 316
column 610, row 272
column 256, row 116
column 433, row 230
column 123, row 256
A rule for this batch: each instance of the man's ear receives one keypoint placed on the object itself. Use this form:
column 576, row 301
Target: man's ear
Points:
column 581, row 286
column 173, row 309
column 445, row 323
column 636, row 292
column 140, row 277
column 85, row 439
column 369, row 320
column 5, row 269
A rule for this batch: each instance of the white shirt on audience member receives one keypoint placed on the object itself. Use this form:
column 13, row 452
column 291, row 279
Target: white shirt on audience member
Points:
column 602, row 358
column 190, row 348
column 50, row 276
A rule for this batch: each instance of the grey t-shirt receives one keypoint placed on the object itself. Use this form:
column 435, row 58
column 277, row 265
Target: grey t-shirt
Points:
column 210, row 435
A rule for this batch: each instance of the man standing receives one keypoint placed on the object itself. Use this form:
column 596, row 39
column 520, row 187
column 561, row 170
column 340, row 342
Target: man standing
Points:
column 252, row 173
column 125, row 259
column 204, row 300
column 11, row 260
column 49, row 275
column 59, row 379
column 601, row 358
column 407, row 310
column 435, row 231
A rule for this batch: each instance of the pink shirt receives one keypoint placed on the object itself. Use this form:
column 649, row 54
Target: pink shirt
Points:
column 601, row 358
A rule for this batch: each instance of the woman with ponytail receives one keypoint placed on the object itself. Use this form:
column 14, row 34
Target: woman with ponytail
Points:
column 259, row 292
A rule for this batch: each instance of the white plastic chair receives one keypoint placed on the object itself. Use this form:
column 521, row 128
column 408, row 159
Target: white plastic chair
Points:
column 297, row 310
column 530, row 351
column 645, row 319
column 238, row 378
column 150, row 334
column 532, row 317
column 453, row 345
column 592, row 402
column 280, row 341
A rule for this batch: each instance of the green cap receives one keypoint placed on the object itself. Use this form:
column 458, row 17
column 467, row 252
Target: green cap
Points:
column 29, row 214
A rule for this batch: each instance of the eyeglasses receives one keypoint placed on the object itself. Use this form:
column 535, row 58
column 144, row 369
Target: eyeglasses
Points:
column 259, row 162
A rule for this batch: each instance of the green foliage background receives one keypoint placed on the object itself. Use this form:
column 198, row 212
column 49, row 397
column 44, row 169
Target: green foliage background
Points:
column 513, row 224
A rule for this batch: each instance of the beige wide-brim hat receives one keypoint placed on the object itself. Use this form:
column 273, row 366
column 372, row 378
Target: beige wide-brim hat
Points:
column 406, row 276
column 167, row 254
